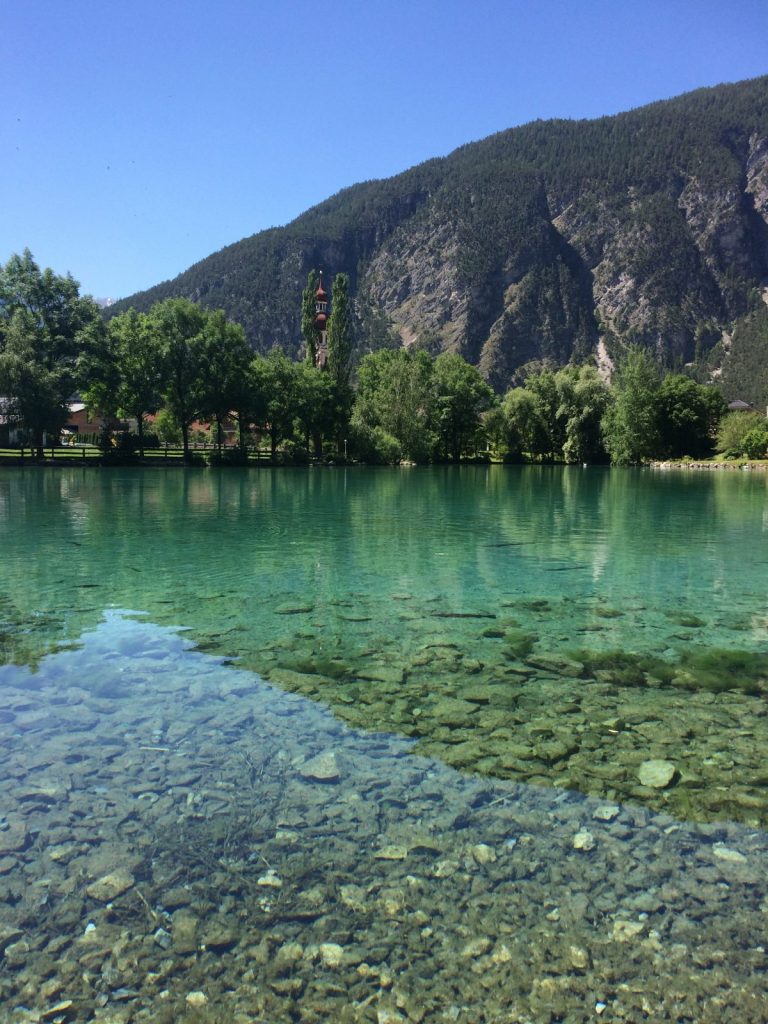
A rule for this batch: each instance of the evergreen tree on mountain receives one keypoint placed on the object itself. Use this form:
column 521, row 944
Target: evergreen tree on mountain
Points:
column 647, row 227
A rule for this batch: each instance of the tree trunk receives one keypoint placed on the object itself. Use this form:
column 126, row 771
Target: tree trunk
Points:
column 140, row 431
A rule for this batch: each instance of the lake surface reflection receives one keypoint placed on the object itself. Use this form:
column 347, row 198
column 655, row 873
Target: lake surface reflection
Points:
column 527, row 785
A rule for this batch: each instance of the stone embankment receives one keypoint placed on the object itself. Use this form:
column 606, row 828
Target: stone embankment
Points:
column 737, row 464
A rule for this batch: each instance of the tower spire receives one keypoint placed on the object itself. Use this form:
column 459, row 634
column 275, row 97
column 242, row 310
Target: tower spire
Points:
column 321, row 325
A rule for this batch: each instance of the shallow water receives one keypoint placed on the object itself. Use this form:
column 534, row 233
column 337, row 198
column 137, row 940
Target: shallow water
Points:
column 554, row 626
column 456, row 614
column 172, row 849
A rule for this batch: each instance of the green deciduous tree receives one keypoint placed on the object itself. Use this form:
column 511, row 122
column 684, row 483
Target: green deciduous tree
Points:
column 396, row 394
column 503, row 437
column 121, row 369
column 755, row 442
column 527, row 429
column 583, row 400
column 276, row 377
column 735, row 430
column 315, row 409
column 225, row 359
column 461, row 396
column 179, row 327
column 43, row 318
column 688, row 416
column 630, row 424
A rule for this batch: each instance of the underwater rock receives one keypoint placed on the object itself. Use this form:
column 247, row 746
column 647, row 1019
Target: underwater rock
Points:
column 477, row 947
column 218, row 936
column 109, row 887
column 625, row 931
column 584, row 841
column 392, row 852
column 271, row 880
column 556, row 663
column 331, row 954
column 656, row 773
column 606, row 812
column 723, row 852
column 323, row 768
column 483, row 854
column 184, row 933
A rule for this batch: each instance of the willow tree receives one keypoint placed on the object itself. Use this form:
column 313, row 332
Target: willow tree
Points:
column 630, row 423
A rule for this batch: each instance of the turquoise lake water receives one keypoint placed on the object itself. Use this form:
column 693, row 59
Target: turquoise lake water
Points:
column 374, row 745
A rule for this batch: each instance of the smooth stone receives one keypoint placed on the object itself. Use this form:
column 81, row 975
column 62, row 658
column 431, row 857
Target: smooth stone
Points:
column 723, row 852
column 323, row 768
column 483, row 854
column 62, row 1011
column 656, row 774
column 579, row 958
column 393, row 852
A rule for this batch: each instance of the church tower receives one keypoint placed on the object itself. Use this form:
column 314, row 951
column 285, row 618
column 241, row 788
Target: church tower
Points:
column 321, row 325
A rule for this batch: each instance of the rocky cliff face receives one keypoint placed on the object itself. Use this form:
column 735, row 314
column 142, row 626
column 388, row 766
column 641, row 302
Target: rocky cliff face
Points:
column 545, row 242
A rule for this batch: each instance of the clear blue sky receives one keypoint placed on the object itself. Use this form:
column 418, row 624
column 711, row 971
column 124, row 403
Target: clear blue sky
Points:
column 138, row 137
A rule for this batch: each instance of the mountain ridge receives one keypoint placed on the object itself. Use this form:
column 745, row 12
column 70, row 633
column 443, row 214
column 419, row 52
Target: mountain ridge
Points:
column 539, row 242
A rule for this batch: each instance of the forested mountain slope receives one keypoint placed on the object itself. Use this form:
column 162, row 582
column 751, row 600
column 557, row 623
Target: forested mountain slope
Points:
column 538, row 243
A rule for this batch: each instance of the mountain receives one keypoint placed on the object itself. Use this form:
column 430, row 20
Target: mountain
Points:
column 558, row 240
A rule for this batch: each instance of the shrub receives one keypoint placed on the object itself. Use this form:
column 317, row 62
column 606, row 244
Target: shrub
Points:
column 375, row 445
column 294, row 454
column 754, row 444
column 734, row 428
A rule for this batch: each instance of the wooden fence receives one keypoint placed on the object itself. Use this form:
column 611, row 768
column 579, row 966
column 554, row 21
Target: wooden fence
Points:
column 86, row 453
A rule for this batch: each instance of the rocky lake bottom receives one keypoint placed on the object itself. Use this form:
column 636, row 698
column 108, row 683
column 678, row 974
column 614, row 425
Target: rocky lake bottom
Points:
column 182, row 841
column 482, row 745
